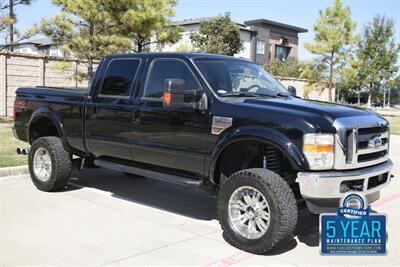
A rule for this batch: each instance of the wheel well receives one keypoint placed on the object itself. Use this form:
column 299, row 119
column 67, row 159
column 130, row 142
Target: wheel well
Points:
column 42, row 127
column 252, row 154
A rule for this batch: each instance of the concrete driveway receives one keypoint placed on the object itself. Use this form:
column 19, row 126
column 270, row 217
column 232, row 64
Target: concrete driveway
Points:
column 108, row 219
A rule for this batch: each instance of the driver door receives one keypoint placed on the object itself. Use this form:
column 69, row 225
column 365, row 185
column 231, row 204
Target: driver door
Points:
column 171, row 138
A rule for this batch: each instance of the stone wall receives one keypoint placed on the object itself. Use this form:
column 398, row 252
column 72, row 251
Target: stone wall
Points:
column 18, row 70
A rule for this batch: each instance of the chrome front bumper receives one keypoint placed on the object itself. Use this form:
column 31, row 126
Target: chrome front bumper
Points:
column 321, row 190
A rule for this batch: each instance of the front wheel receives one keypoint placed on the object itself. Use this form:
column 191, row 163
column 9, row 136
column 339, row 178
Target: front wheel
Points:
column 256, row 209
column 49, row 164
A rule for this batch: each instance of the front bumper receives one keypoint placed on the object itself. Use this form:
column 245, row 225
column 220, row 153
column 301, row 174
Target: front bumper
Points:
column 323, row 190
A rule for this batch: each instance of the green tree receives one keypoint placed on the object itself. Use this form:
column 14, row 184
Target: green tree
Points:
column 394, row 90
column 8, row 18
column 333, row 39
column 183, row 48
column 314, row 72
column 145, row 22
column 349, row 81
column 219, row 35
column 86, row 30
column 290, row 68
column 378, row 54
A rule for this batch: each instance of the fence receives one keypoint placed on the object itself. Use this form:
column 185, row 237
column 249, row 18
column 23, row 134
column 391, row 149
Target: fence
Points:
column 18, row 70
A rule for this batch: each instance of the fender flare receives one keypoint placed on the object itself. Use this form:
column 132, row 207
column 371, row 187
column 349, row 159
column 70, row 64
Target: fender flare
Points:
column 261, row 134
column 50, row 114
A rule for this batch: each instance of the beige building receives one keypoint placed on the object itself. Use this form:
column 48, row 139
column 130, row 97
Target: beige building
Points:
column 274, row 40
column 262, row 39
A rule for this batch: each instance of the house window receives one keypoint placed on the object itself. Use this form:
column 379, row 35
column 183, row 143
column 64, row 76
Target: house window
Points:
column 282, row 52
column 53, row 51
column 185, row 38
column 260, row 47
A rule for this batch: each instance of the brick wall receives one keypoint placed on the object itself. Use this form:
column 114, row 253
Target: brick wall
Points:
column 18, row 70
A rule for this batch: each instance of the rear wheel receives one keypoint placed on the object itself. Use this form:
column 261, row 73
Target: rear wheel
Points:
column 256, row 209
column 49, row 164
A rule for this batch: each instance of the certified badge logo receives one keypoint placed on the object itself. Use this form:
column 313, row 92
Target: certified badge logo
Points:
column 352, row 206
column 353, row 230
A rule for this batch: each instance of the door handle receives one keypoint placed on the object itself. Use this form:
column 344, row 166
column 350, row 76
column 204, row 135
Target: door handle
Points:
column 92, row 112
column 136, row 116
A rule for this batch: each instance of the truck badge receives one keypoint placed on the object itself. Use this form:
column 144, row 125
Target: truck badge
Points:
column 219, row 124
column 375, row 142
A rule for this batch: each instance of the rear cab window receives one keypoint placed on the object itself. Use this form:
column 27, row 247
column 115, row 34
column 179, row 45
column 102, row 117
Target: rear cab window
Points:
column 119, row 78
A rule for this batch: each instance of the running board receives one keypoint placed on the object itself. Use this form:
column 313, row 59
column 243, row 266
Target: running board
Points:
column 148, row 173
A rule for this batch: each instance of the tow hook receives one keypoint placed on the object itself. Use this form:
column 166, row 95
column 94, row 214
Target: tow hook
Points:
column 22, row 151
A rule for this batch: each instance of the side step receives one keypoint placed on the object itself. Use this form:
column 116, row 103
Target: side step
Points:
column 148, row 173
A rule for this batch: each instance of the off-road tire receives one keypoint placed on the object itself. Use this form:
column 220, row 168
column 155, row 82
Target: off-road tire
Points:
column 61, row 164
column 282, row 205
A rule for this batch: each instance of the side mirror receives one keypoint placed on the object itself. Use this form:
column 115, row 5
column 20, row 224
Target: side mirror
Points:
column 176, row 96
column 292, row 90
column 174, row 93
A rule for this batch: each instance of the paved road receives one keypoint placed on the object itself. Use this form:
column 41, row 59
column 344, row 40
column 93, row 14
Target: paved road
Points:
column 108, row 219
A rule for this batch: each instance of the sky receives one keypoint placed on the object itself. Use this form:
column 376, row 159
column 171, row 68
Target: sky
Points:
column 301, row 13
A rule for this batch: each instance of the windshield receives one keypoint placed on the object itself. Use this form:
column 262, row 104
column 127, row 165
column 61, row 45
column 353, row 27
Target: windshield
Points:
column 232, row 77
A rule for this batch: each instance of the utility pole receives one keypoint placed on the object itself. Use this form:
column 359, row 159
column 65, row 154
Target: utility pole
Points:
column 11, row 15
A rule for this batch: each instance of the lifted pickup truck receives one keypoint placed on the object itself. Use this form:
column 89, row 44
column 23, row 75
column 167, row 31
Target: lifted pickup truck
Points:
column 214, row 121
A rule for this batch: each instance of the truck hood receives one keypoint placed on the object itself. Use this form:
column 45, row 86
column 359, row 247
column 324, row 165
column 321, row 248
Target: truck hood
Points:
column 330, row 111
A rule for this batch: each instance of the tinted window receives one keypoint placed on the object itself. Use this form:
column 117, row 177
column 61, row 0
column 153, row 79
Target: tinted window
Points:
column 119, row 77
column 162, row 69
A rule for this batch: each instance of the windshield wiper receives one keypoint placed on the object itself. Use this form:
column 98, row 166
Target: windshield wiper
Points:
column 246, row 94
column 282, row 94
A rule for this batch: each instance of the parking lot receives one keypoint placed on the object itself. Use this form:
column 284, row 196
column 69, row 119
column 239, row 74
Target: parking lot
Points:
column 105, row 218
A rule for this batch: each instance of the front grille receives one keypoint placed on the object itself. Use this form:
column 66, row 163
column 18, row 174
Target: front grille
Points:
column 361, row 141
column 371, row 156
column 367, row 144
column 373, row 130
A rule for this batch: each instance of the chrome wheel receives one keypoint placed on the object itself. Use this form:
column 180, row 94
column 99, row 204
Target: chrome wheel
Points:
column 249, row 212
column 42, row 164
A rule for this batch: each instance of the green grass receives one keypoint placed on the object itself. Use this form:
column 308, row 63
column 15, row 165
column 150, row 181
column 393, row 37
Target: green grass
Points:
column 9, row 144
column 394, row 124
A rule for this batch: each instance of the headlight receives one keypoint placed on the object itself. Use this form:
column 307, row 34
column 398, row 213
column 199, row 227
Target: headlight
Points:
column 319, row 150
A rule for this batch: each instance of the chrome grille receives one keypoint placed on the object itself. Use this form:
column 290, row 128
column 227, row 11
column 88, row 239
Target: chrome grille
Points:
column 361, row 141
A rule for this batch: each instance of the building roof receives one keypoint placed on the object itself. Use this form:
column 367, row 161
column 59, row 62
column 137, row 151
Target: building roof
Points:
column 38, row 42
column 274, row 23
column 202, row 19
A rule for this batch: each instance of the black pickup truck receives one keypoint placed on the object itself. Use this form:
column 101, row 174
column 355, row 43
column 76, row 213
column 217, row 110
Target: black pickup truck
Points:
column 213, row 121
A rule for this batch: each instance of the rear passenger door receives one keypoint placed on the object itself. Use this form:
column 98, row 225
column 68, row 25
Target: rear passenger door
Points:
column 109, row 111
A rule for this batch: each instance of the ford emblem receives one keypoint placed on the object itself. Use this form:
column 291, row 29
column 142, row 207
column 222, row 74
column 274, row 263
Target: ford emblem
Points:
column 375, row 142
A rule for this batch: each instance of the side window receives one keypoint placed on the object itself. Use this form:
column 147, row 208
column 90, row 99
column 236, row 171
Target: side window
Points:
column 119, row 77
column 162, row 69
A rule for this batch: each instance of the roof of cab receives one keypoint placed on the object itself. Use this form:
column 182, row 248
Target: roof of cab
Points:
column 170, row 54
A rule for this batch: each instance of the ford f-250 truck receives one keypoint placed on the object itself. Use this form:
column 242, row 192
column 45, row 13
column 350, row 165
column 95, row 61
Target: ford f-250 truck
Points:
column 215, row 121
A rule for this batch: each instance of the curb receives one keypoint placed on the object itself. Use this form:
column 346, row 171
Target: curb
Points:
column 13, row 171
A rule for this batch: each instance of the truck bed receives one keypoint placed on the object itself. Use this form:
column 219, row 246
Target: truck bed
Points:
column 66, row 103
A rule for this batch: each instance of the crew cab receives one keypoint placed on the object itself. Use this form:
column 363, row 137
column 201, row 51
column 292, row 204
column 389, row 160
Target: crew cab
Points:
column 213, row 121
